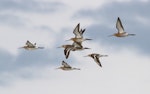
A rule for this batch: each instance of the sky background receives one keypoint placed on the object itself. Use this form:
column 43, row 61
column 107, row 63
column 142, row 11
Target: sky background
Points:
column 50, row 22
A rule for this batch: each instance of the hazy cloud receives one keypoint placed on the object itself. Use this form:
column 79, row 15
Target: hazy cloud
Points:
column 29, row 6
column 11, row 20
column 135, row 18
column 124, row 70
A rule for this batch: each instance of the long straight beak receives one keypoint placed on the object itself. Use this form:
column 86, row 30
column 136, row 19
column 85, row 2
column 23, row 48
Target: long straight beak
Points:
column 58, row 68
column 131, row 34
column 59, row 47
column 76, row 68
column 40, row 47
column 86, row 56
column 20, row 47
column 68, row 40
column 87, row 48
column 110, row 35
column 89, row 39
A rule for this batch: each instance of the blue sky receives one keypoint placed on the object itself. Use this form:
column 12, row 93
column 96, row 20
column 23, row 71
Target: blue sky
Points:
column 50, row 22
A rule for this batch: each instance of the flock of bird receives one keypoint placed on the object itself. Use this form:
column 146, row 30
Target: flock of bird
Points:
column 77, row 45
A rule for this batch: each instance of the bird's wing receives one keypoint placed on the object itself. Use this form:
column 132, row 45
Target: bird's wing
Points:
column 96, row 59
column 76, row 31
column 67, row 51
column 119, row 26
column 65, row 64
column 81, row 33
column 28, row 43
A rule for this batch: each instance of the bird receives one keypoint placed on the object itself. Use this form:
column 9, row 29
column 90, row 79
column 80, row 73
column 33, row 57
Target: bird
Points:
column 78, row 34
column 67, row 49
column 67, row 67
column 121, row 32
column 96, row 57
column 31, row 46
column 76, row 46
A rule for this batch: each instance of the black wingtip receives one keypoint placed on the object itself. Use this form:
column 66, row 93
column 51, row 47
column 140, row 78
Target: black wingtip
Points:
column 83, row 30
column 78, row 24
column 100, row 66
column 119, row 19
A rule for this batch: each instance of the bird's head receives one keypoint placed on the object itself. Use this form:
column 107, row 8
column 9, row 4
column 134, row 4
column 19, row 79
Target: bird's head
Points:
column 63, row 46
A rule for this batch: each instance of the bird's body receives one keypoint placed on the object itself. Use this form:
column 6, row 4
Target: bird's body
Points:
column 67, row 67
column 76, row 46
column 96, row 57
column 120, row 28
column 79, row 39
column 30, row 46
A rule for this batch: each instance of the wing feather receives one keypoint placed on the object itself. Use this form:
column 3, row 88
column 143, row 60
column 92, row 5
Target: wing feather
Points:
column 119, row 26
column 28, row 43
column 67, row 52
column 65, row 64
column 97, row 61
column 76, row 31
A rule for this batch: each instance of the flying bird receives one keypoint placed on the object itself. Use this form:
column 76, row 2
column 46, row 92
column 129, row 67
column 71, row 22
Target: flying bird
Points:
column 121, row 32
column 67, row 67
column 96, row 57
column 67, row 49
column 78, row 34
column 31, row 46
column 76, row 46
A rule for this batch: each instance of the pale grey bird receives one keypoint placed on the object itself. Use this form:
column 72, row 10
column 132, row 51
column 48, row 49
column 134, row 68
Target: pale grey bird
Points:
column 78, row 34
column 120, row 28
column 96, row 57
column 31, row 46
column 67, row 67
